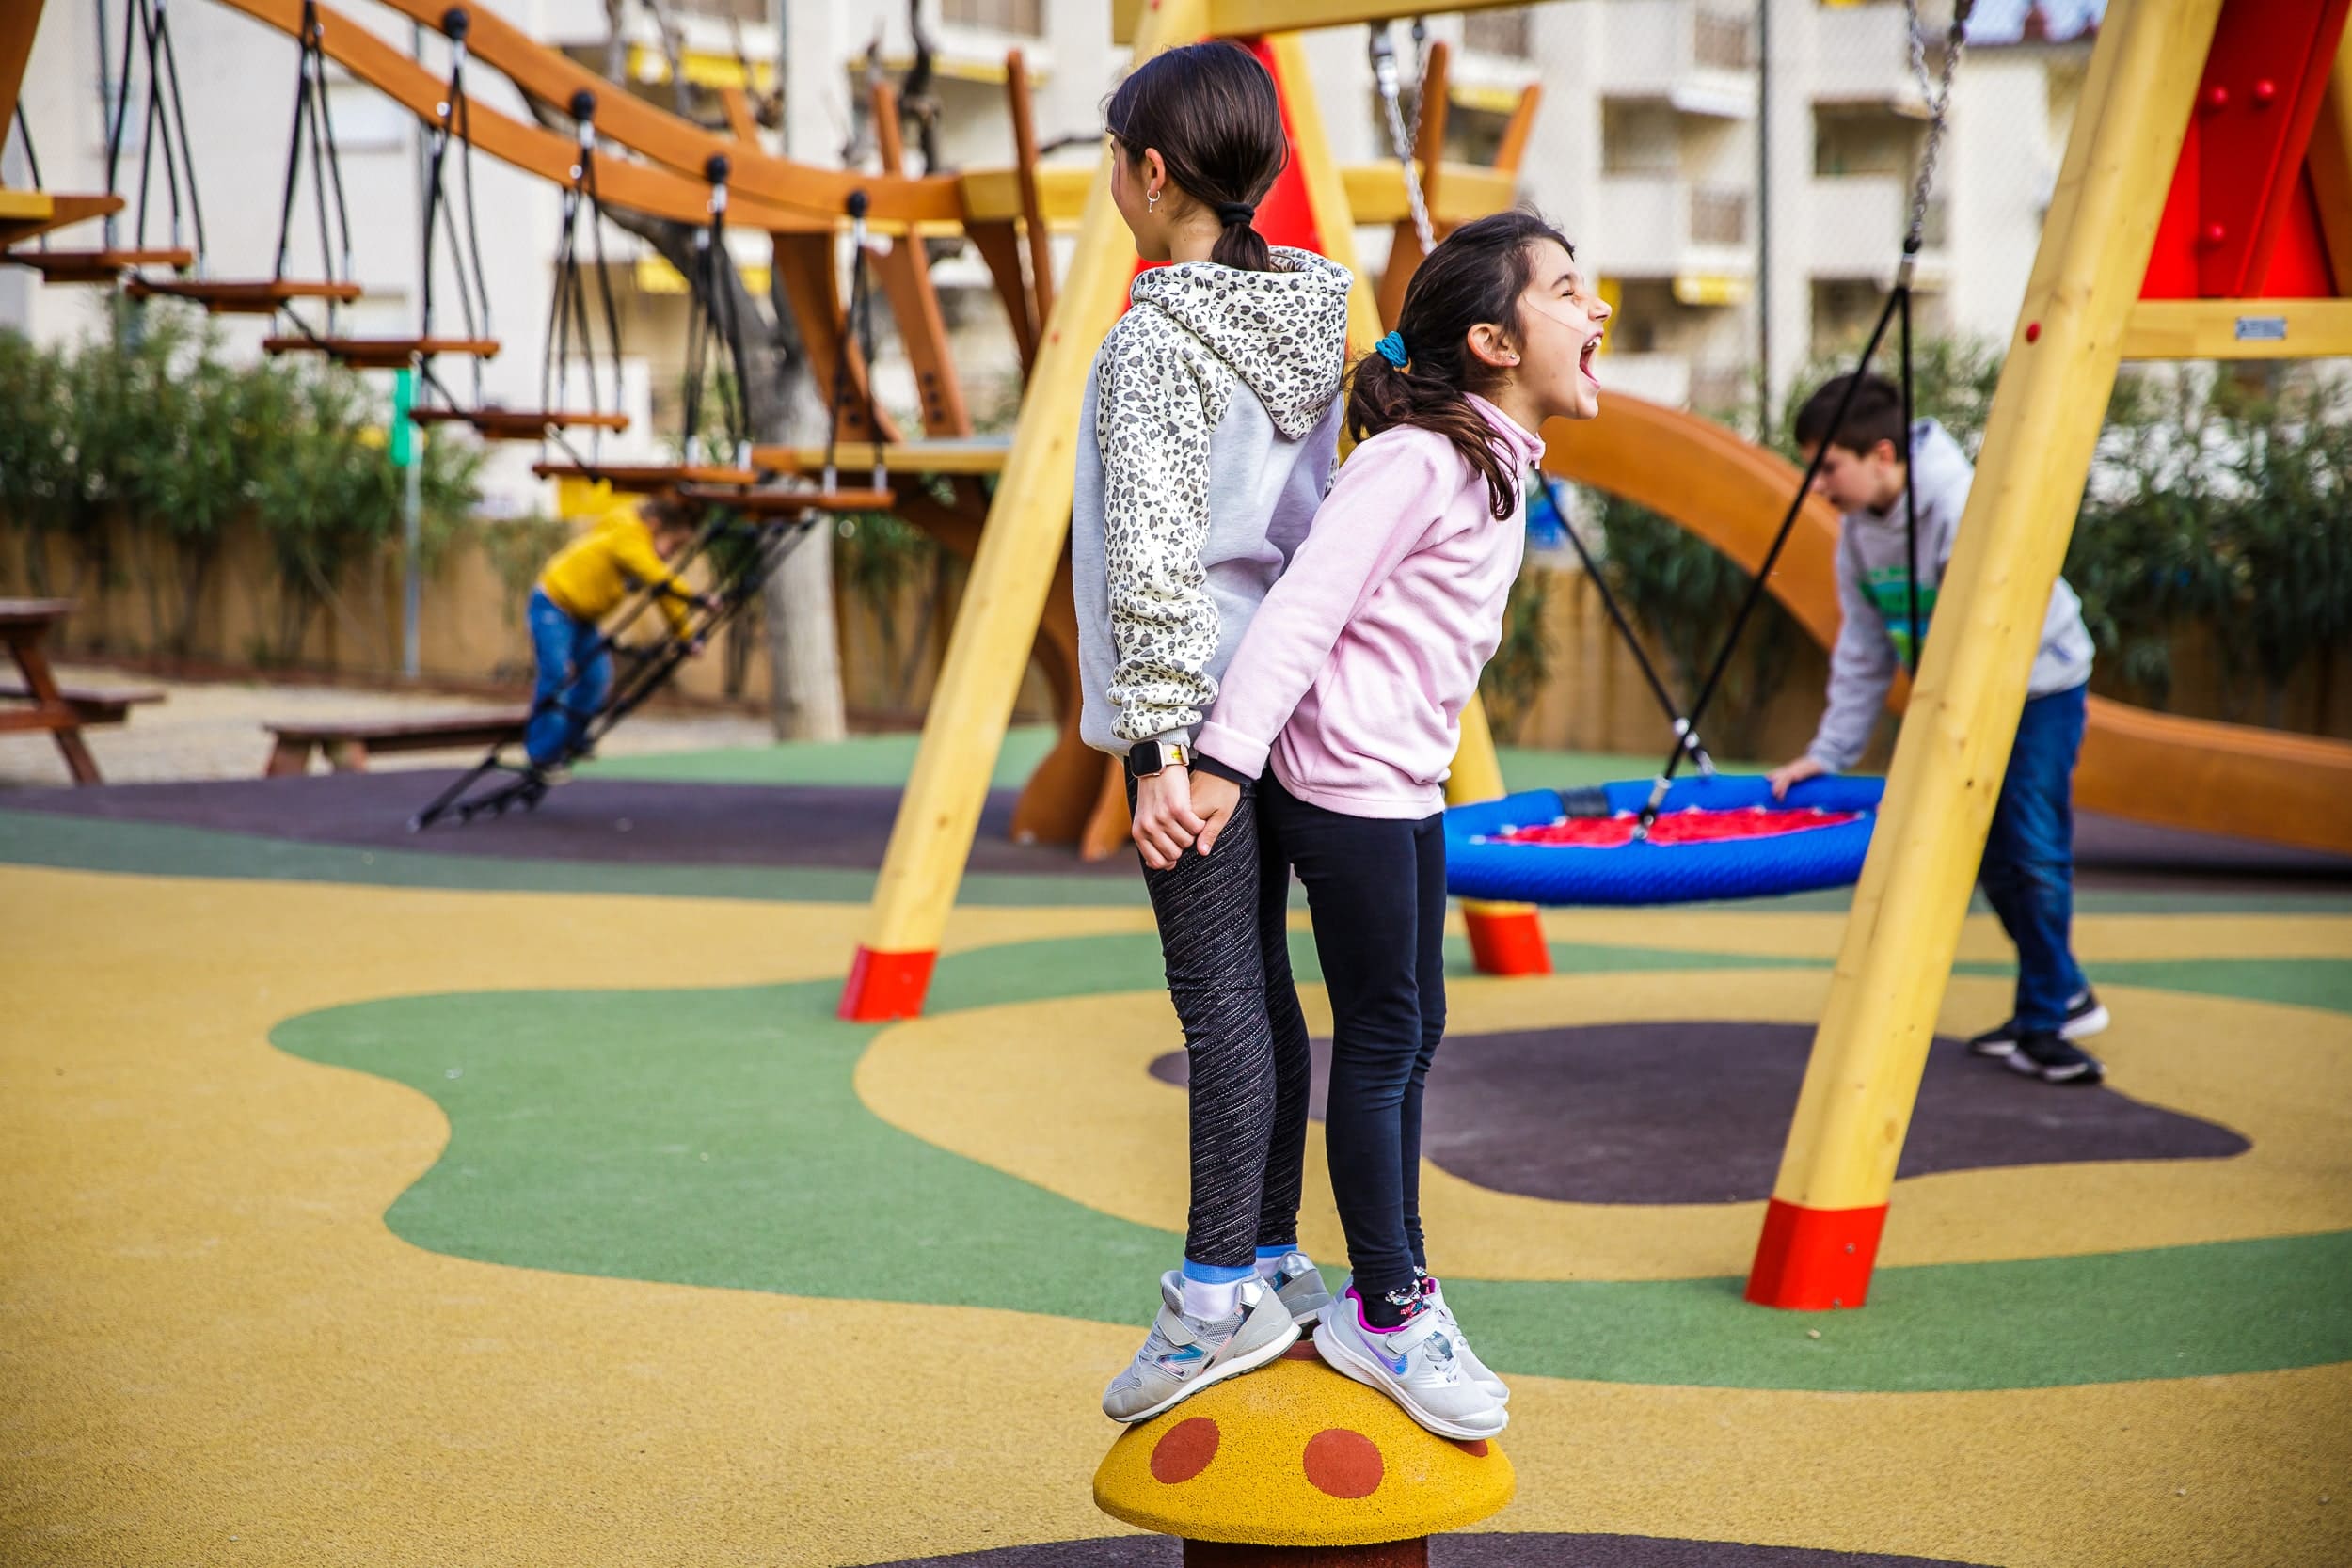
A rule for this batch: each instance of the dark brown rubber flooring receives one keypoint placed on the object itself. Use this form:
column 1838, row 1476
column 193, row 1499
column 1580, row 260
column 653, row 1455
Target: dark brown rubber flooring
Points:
column 628, row 822
column 1697, row 1112
column 648, row 822
column 1457, row 1551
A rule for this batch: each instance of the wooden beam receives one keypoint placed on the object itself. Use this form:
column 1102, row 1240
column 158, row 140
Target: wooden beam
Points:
column 2238, row 329
column 1024, row 177
column 742, row 123
column 661, row 193
column 978, row 456
column 906, row 279
column 1375, row 193
column 803, row 190
column 2330, row 160
column 1520, row 127
column 804, row 270
column 1822, row 1226
column 19, row 22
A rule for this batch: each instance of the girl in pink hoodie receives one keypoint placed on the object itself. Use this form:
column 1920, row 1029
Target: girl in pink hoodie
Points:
column 1346, row 694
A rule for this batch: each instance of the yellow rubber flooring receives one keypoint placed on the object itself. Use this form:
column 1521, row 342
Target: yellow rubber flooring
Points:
column 215, row 1351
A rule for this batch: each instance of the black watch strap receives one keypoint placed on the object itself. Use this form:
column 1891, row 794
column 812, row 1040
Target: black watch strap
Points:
column 1203, row 763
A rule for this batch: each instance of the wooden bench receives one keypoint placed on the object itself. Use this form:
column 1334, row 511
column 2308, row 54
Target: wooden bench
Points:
column 348, row 744
column 90, row 704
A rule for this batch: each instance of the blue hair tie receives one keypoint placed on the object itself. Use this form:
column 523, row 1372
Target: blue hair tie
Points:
column 1392, row 349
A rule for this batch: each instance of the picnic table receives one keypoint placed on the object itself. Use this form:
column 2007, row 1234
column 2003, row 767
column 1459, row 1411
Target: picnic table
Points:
column 61, row 710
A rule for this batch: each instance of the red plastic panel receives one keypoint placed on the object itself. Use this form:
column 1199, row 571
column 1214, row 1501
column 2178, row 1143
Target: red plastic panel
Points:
column 2256, row 106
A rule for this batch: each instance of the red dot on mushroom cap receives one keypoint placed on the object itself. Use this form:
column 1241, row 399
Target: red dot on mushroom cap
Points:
column 1342, row 1463
column 1184, row 1450
column 1474, row 1447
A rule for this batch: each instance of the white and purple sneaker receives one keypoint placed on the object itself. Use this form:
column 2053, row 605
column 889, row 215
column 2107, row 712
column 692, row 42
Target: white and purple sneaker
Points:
column 1479, row 1372
column 1417, row 1364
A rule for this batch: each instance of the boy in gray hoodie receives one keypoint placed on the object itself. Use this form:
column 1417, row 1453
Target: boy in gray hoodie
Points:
column 2028, row 869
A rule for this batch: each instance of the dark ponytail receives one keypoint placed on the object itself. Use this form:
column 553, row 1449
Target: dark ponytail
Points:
column 1475, row 274
column 1211, row 112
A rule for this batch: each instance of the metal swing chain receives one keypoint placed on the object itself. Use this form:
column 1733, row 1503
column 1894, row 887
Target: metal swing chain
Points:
column 1383, row 77
column 1937, row 94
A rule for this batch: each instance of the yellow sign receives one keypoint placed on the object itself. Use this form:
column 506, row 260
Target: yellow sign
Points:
column 1702, row 287
column 655, row 276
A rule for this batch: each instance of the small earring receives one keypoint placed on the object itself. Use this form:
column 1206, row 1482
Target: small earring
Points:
column 1152, row 202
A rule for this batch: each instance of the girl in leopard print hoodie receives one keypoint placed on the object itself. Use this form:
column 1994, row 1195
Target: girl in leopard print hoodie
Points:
column 1209, row 434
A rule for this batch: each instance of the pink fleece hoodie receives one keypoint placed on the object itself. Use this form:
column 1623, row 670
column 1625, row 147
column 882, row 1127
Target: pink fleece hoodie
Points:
column 1354, row 671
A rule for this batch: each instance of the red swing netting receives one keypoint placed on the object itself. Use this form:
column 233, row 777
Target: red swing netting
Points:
column 1695, row 825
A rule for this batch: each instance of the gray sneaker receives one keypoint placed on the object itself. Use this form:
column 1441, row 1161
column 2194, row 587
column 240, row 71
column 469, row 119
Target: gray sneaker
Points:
column 1476, row 1369
column 1300, row 1286
column 1183, row 1355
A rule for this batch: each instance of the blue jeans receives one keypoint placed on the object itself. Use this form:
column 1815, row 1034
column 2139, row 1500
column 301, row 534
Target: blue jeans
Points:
column 2029, row 870
column 574, row 676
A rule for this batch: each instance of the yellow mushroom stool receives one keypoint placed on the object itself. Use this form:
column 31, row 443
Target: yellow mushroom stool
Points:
column 1297, row 1466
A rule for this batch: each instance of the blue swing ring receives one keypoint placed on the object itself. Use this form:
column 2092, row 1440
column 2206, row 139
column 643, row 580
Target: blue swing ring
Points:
column 1782, row 856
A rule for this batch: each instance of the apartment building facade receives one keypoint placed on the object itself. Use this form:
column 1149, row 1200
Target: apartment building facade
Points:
column 1741, row 210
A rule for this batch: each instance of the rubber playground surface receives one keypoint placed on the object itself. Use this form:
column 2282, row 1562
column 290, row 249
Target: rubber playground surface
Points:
column 511, row 1195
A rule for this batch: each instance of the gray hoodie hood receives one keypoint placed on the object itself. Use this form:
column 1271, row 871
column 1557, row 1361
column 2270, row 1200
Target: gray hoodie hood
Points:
column 1284, row 333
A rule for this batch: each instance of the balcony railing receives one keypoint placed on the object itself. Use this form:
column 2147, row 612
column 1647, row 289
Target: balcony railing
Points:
column 1509, row 33
column 1722, row 43
column 1025, row 17
column 1718, row 216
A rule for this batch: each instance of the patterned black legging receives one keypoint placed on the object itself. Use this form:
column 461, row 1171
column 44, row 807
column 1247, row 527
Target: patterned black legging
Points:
column 1221, row 921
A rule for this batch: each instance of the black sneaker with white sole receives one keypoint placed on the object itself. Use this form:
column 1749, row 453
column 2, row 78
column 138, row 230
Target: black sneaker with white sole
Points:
column 2085, row 1018
column 2054, row 1060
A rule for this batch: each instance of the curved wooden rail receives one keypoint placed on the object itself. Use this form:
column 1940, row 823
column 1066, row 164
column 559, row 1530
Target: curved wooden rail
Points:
column 661, row 193
column 551, row 77
column 2160, row 768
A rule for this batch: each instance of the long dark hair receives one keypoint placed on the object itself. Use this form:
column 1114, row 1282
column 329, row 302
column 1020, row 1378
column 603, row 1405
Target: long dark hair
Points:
column 1476, row 274
column 1211, row 112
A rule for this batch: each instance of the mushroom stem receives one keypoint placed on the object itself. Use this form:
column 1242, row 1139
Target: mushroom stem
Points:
column 1389, row 1554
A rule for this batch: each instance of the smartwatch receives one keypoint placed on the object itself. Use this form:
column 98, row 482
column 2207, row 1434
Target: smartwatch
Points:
column 1150, row 758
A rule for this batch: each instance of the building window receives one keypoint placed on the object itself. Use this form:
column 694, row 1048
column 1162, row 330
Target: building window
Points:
column 1638, row 136
column 1025, row 17
column 1722, row 43
column 1719, row 217
column 1864, row 139
column 1499, row 32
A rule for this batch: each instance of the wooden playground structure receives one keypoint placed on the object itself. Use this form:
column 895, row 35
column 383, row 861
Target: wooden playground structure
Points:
column 2240, row 111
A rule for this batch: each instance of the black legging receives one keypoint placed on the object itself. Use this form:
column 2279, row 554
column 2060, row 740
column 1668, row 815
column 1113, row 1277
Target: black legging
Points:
column 1377, row 886
column 1221, row 919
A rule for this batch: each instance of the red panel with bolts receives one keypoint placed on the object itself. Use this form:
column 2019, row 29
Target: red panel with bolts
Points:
column 2237, row 222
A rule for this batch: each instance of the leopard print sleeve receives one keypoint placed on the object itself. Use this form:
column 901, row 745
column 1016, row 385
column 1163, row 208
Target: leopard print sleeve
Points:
column 1153, row 416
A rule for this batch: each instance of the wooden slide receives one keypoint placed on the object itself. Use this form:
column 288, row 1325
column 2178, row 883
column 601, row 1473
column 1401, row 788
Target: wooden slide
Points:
column 2159, row 768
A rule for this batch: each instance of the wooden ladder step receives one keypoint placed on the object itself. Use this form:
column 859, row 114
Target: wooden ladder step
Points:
column 381, row 354
column 520, row 424
column 262, row 297
column 648, row 477
column 95, row 266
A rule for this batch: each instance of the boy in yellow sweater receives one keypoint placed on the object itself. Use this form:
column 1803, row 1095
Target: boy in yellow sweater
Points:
column 585, row 582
